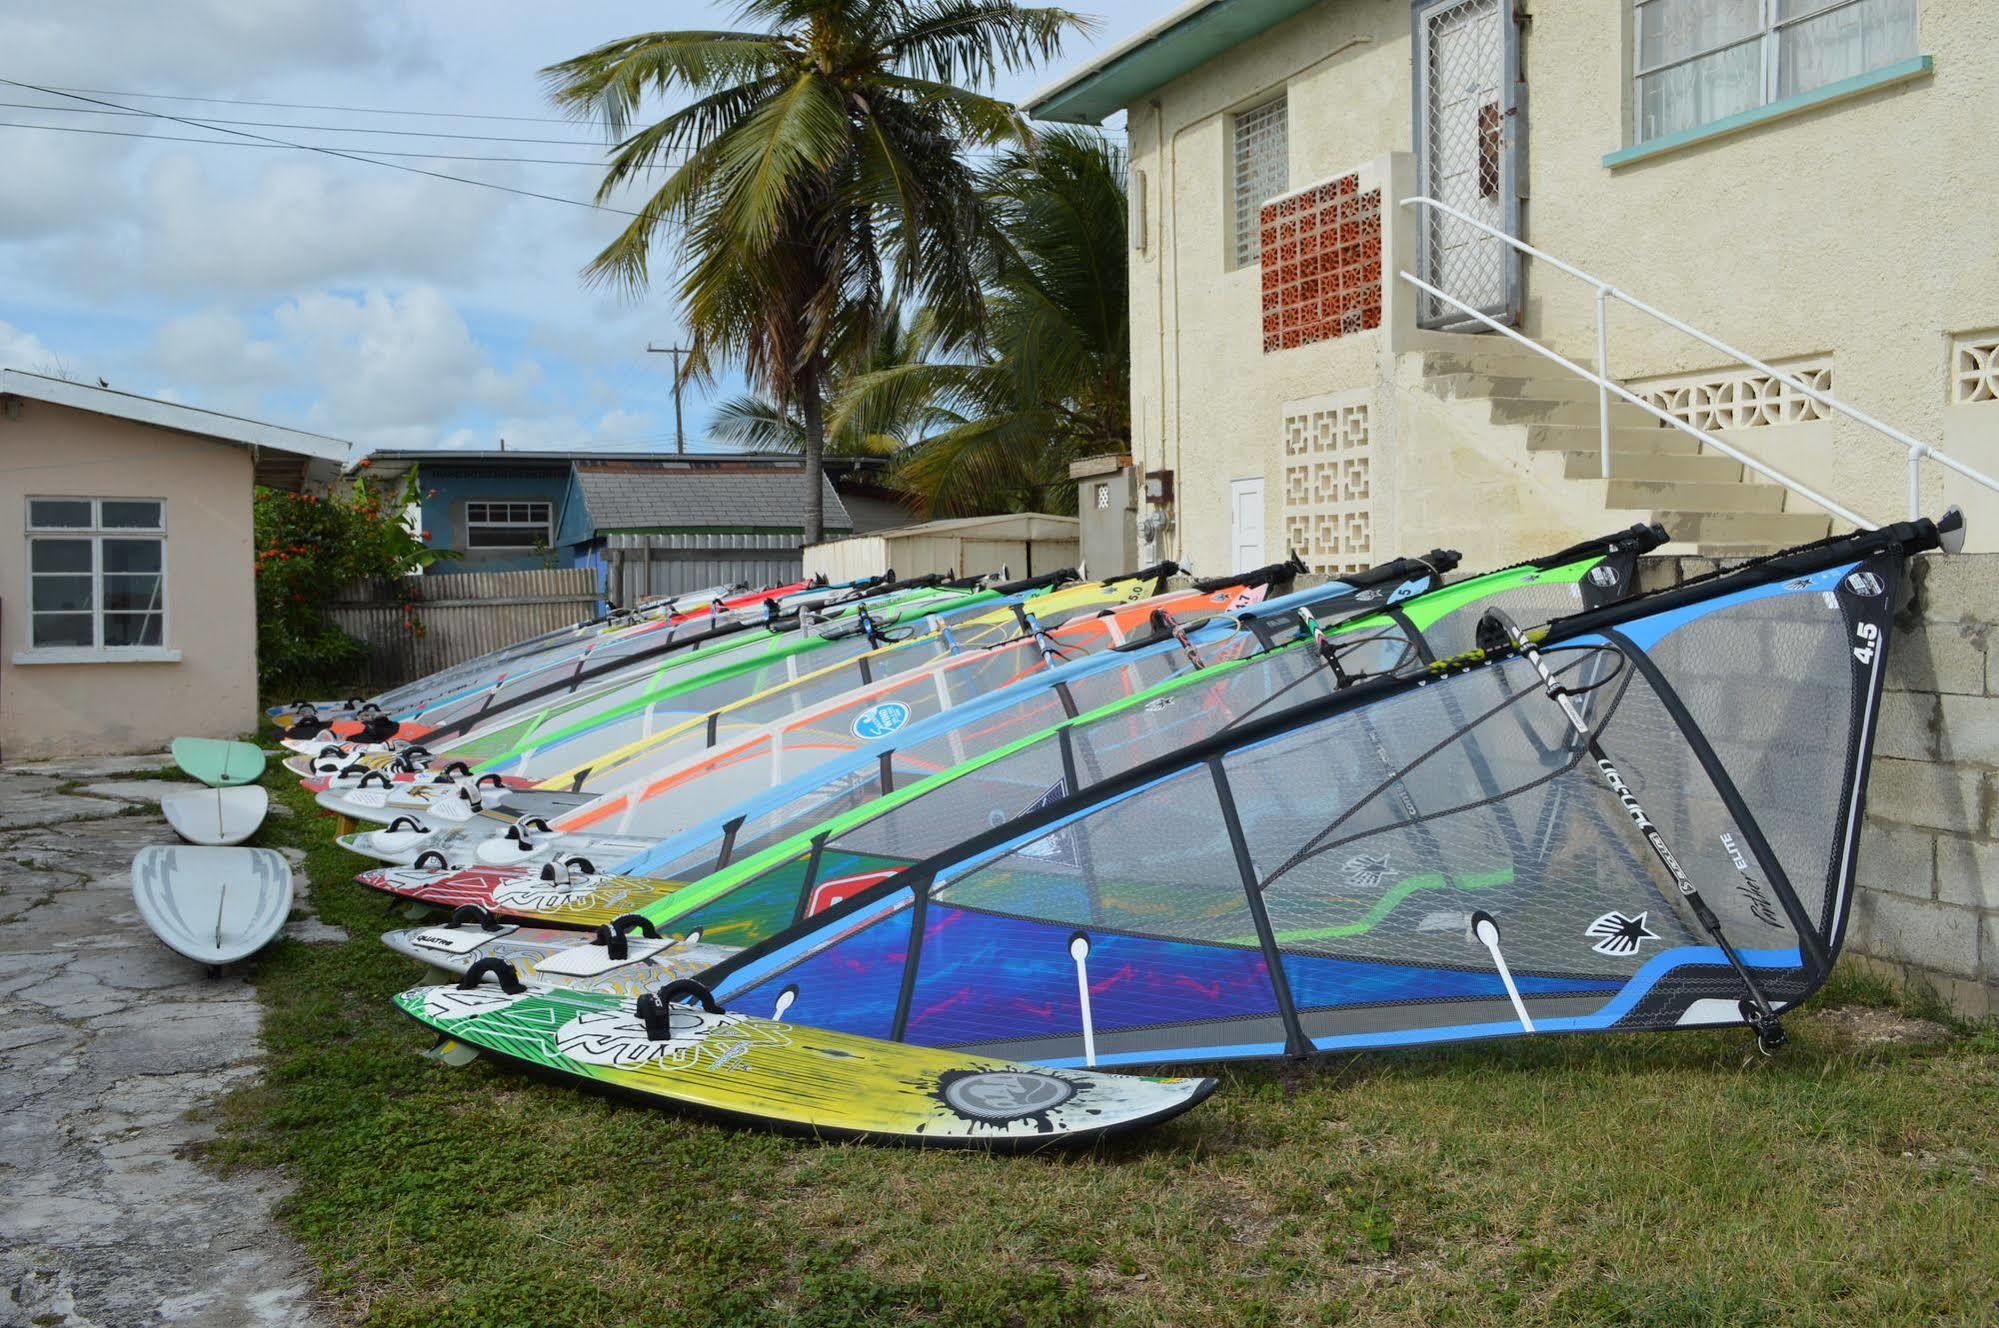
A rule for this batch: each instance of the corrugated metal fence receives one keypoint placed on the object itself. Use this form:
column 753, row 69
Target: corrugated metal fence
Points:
column 463, row 614
column 643, row 565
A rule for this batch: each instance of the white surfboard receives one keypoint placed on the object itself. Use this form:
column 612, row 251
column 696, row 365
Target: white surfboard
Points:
column 214, row 905
column 217, row 815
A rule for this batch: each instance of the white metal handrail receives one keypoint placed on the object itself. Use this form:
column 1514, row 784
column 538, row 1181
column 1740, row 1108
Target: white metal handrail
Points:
column 1607, row 387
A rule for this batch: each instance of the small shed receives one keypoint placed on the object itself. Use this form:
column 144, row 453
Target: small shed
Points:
column 1024, row 544
column 128, row 579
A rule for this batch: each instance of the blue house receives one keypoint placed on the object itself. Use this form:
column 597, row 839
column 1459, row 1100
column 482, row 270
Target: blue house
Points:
column 650, row 525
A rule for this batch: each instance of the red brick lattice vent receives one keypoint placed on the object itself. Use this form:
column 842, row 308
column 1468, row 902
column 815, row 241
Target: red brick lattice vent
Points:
column 1321, row 264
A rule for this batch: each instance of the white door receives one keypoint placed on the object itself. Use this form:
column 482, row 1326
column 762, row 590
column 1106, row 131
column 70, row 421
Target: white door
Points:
column 1246, row 524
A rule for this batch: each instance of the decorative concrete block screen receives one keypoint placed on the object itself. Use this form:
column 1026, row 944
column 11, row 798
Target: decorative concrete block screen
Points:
column 1974, row 367
column 1328, row 481
column 1740, row 398
column 1321, row 264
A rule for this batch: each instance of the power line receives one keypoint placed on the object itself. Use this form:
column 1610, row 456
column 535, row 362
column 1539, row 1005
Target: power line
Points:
column 310, row 106
column 225, row 143
column 355, row 110
column 335, row 129
column 325, row 151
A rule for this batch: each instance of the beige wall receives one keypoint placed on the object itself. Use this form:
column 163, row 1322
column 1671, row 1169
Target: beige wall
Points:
column 1865, row 230
column 49, row 710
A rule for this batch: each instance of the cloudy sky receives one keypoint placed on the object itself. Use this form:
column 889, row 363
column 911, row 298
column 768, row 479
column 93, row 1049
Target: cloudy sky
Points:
column 342, row 297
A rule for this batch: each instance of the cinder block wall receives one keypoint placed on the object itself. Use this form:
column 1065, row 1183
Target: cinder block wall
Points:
column 1927, row 907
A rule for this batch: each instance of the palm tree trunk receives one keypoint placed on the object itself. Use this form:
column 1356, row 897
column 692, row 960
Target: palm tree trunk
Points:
column 814, row 411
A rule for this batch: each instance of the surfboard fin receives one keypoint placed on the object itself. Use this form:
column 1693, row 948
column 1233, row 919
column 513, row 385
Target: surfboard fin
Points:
column 450, row 1051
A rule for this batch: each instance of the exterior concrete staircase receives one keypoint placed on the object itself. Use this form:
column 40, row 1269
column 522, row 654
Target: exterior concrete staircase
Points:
column 1708, row 503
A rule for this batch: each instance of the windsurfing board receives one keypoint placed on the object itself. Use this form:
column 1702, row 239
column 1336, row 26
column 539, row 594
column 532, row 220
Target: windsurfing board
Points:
column 217, row 816
column 558, row 958
column 214, row 905
column 217, row 762
column 789, row 1077
column 520, row 894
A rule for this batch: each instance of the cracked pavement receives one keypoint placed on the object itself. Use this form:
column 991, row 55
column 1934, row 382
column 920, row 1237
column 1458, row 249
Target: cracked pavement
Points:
column 112, row 1051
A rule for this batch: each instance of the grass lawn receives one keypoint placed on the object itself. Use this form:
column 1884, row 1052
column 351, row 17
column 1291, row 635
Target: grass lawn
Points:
column 1645, row 1179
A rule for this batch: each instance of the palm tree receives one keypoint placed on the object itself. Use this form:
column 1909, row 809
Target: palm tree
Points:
column 822, row 181
column 891, row 420
column 1052, row 382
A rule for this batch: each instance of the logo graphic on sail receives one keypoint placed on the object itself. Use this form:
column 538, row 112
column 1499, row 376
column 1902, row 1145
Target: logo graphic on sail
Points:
column 1365, row 871
column 828, row 893
column 1865, row 584
column 880, row 720
column 1057, row 846
column 1620, row 937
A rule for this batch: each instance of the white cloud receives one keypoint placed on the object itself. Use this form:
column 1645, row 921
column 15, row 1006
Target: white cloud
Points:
column 20, row 349
column 301, row 223
column 215, row 349
column 390, row 367
column 201, row 45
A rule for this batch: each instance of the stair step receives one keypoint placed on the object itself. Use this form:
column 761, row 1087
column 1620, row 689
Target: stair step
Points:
column 1683, row 467
column 1576, row 438
column 1679, row 496
column 1553, row 385
column 1717, row 533
column 1506, row 358
column 1520, row 410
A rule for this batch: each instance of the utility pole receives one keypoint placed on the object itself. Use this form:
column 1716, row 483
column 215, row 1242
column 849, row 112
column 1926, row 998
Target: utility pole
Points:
column 679, row 433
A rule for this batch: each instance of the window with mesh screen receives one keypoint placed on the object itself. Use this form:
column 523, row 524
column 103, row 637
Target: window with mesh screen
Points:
column 1262, row 171
column 508, row 525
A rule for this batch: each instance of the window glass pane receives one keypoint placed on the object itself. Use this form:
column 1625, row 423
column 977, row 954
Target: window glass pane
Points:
column 132, row 629
column 1670, row 30
column 49, row 555
column 475, row 511
column 1844, row 43
column 1262, row 172
column 502, row 537
column 62, row 629
column 132, row 592
column 60, row 593
column 1700, row 91
column 132, row 514
column 59, row 513
column 130, row 555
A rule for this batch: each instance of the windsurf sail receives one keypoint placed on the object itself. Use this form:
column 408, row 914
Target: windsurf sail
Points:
column 661, row 785
column 1506, row 842
column 504, row 715
column 618, row 632
column 791, row 854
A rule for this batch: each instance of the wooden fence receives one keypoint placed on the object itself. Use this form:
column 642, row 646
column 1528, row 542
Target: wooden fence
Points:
column 463, row 614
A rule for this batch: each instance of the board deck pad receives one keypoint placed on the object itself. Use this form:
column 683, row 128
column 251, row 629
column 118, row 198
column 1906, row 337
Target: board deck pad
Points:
column 573, row 960
column 219, row 763
column 790, row 1077
column 217, row 816
column 214, row 905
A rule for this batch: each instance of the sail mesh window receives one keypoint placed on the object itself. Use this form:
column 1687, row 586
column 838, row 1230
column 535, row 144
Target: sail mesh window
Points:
column 1262, row 171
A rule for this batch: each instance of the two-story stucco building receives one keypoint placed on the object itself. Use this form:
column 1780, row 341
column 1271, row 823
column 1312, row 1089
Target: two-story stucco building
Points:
column 1805, row 180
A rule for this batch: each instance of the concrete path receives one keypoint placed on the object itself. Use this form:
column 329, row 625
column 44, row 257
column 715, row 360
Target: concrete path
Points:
column 112, row 1049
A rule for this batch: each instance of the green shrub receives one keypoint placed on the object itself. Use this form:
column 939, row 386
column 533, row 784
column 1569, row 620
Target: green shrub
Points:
column 309, row 547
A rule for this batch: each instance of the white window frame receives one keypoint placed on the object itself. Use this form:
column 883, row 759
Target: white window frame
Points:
column 1246, row 232
column 546, row 525
column 1769, row 32
column 96, row 533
